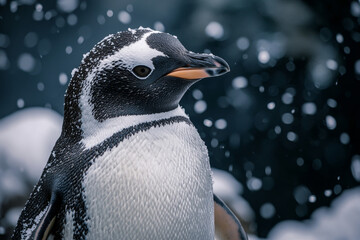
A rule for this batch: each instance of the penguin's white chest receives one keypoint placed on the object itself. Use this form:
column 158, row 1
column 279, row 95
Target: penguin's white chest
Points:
column 155, row 184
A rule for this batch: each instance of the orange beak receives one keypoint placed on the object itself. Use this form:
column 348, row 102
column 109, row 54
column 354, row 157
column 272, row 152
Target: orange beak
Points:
column 189, row 73
column 201, row 66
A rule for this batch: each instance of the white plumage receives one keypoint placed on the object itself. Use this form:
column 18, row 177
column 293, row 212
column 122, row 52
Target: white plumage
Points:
column 154, row 185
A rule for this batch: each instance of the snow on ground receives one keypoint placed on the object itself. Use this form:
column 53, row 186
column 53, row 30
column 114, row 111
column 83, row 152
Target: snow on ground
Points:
column 341, row 221
column 227, row 188
column 26, row 140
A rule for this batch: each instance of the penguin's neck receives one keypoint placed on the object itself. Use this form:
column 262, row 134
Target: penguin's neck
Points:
column 95, row 132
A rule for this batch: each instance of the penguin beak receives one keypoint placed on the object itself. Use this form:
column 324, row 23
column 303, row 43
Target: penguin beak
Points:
column 201, row 66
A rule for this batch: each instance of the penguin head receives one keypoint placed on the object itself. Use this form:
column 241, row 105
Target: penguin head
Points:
column 138, row 71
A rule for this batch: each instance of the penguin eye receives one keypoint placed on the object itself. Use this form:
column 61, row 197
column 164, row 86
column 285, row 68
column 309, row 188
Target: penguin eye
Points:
column 141, row 71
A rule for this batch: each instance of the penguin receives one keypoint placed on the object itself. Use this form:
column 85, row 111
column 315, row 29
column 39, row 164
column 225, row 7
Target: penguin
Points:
column 129, row 163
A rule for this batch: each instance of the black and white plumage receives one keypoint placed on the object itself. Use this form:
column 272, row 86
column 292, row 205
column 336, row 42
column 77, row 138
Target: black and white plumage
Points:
column 129, row 164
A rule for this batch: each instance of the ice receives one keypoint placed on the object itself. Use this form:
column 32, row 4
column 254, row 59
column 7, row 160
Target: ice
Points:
column 124, row 17
column 26, row 62
column 309, row 108
column 243, row 43
column 254, row 184
column 67, row 6
column 287, row 118
column 330, row 122
column 214, row 30
column 27, row 137
column 20, row 103
column 4, row 61
column 340, row 221
column 31, row 39
column 63, row 78
column 357, row 67
column 344, row 138
column 200, row 106
column 355, row 167
column 264, row 57
column 229, row 190
column 220, row 124
column 239, row 82
column 267, row 210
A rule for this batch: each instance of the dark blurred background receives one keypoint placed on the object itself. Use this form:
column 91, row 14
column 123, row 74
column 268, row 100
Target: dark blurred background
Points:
column 284, row 122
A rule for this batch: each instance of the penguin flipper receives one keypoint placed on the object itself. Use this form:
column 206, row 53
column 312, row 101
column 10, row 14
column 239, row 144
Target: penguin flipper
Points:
column 47, row 221
column 227, row 226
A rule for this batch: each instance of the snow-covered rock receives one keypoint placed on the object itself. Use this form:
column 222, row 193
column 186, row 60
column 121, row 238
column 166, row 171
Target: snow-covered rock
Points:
column 340, row 221
column 229, row 190
column 26, row 140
